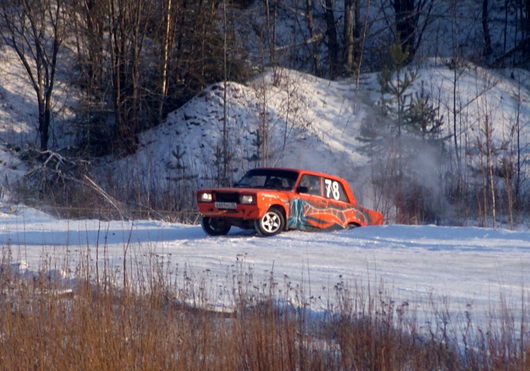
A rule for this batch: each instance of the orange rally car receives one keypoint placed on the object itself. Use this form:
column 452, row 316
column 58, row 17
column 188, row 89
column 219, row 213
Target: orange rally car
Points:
column 272, row 200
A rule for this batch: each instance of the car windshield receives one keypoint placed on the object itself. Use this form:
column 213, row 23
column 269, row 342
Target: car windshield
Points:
column 269, row 179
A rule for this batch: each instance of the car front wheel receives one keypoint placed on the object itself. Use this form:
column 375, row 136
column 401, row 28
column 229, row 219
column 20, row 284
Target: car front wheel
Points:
column 215, row 226
column 271, row 223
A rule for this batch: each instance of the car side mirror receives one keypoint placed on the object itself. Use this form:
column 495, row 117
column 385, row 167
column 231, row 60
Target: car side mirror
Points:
column 302, row 189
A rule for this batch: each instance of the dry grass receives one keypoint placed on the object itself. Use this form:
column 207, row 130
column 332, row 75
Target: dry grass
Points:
column 93, row 327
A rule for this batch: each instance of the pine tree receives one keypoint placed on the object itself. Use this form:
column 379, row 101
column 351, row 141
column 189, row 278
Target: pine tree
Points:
column 395, row 82
column 407, row 145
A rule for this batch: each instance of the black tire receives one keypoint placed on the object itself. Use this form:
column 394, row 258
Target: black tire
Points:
column 215, row 226
column 271, row 223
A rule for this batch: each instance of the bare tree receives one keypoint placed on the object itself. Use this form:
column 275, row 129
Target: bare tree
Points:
column 486, row 29
column 352, row 34
column 517, row 157
column 315, row 54
column 35, row 29
column 270, row 26
column 524, row 45
column 488, row 148
column 409, row 30
column 140, row 59
column 519, row 51
column 525, row 9
column 167, row 41
column 333, row 44
column 88, row 22
column 457, row 67
column 127, row 30
column 225, row 133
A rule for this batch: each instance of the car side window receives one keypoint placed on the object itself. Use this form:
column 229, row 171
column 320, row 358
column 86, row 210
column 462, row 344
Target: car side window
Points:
column 311, row 184
column 334, row 190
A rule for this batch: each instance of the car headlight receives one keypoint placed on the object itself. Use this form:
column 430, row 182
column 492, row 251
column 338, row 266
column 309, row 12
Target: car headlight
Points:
column 246, row 199
column 205, row 197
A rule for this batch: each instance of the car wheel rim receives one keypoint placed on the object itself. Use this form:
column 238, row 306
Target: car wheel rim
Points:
column 271, row 222
column 215, row 226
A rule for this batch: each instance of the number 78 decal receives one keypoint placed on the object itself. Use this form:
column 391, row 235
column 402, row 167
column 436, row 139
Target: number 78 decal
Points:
column 332, row 189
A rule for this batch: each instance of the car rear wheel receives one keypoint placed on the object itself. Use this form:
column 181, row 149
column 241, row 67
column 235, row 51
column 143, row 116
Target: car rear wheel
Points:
column 271, row 223
column 215, row 226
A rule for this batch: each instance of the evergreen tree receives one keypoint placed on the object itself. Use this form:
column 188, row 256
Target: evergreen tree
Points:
column 395, row 82
column 409, row 111
column 406, row 148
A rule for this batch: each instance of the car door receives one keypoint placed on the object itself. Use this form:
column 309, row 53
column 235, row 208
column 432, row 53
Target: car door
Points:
column 338, row 204
column 309, row 207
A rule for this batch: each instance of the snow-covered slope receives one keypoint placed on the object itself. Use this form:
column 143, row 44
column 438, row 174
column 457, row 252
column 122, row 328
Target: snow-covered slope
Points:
column 11, row 170
column 19, row 116
column 476, row 95
column 315, row 123
column 18, row 104
column 312, row 123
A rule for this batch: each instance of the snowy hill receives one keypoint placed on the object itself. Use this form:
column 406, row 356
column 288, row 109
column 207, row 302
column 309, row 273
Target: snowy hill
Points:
column 471, row 95
column 315, row 123
column 291, row 119
column 19, row 117
column 312, row 123
column 18, row 105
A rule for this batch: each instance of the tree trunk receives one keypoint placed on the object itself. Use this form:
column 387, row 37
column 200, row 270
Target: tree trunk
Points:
column 348, row 35
column 89, row 26
column 312, row 34
column 527, row 17
column 116, row 65
column 352, row 36
column 357, row 45
column 271, row 30
column 333, row 45
column 225, row 164
column 166, row 45
column 127, row 30
column 455, row 113
column 489, row 164
column 44, row 122
column 405, row 16
column 485, row 29
column 505, row 30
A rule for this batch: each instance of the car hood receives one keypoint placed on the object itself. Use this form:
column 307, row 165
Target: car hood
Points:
column 244, row 190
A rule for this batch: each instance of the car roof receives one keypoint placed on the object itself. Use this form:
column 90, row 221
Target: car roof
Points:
column 351, row 197
column 304, row 171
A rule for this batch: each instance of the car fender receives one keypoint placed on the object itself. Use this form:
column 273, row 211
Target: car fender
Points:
column 266, row 200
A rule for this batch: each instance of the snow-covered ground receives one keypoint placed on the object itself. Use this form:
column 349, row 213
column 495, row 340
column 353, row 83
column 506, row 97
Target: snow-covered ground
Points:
column 465, row 268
